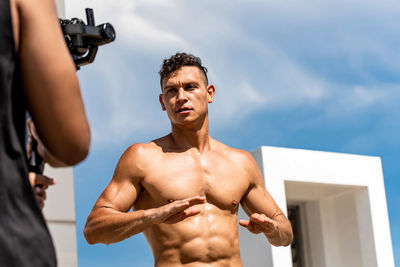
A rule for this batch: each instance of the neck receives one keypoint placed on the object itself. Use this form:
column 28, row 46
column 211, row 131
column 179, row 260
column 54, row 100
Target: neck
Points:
column 187, row 137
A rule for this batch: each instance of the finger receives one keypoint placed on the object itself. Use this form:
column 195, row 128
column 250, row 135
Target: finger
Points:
column 190, row 199
column 40, row 201
column 191, row 212
column 40, row 191
column 259, row 218
column 44, row 180
column 39, row 179
column 32, row 178
column 177, row 206
column 183, row 204
column 41, row 194
column 262, row 223
column 196, row 200
column 176, row 209
column 249, row 225
column 244, row 223
column 182, row 215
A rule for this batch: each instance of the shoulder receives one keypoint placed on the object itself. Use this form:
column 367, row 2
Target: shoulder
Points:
column 144, row 153
column 137, row 158
column 239, row 156
column 246, row 162
column 248, row 165
column 141, row 152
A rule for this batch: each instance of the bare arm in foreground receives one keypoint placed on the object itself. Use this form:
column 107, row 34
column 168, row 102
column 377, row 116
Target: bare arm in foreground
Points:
column 49, row 81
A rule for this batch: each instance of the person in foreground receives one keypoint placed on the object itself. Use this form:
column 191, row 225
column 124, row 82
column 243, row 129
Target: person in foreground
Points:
column 37, row 74
column 185, row 188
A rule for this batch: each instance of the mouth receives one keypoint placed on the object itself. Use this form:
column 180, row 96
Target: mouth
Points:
column 183, row 110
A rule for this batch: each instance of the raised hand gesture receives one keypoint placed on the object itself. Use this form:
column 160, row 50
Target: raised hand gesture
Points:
column 259, row 223
column 178, row 210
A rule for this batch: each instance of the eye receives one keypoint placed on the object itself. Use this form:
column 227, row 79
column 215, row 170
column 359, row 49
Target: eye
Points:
column 191, row 86
column 170, row 90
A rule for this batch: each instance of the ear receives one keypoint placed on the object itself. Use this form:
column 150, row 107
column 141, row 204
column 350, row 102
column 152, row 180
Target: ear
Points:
column 160, row 98
column 210, row 93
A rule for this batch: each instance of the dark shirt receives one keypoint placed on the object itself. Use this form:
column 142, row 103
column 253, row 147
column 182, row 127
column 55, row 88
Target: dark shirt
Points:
column 24, row 237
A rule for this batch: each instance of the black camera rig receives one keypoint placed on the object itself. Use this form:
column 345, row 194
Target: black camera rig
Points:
column 83, row 41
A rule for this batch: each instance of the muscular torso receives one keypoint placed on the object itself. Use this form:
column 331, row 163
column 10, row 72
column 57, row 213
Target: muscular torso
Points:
column 209, row 238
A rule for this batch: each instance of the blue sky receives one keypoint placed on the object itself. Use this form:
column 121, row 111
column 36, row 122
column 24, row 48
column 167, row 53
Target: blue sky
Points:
column 320, row 75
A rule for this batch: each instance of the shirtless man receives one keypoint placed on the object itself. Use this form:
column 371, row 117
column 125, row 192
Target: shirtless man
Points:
column 185, row 187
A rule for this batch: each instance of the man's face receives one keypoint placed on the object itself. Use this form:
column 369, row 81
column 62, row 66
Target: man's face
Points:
column 185, row 95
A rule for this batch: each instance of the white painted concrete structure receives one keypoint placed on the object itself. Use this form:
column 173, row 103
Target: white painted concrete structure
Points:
column 342, row 210
column 59, row 212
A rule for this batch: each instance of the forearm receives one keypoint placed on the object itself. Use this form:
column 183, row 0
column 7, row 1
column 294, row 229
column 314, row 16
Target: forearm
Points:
column 282, row 235
column 50, row 158
column 35, row 141
column 106, row 225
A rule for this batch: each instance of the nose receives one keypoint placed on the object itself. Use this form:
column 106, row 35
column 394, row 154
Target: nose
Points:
column 181, row 97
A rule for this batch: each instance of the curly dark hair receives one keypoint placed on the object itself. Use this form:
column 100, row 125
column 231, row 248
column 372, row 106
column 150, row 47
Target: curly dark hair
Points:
column 178, row 61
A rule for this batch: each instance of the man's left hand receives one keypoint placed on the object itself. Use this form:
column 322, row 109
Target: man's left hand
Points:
column 259, row 223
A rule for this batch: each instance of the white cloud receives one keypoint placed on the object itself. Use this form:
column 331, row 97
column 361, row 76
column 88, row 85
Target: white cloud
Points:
column 365, row 97
column 260, row 56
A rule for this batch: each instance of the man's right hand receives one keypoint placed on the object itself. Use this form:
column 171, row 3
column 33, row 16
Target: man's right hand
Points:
column 178, row 210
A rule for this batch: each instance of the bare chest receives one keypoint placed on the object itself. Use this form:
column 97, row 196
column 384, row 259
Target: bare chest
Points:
column 177, row 176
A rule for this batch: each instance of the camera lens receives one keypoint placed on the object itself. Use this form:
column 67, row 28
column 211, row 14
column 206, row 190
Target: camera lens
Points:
column 108, row 31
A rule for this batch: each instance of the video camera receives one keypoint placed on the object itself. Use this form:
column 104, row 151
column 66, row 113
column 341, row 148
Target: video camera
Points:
column 83, row 41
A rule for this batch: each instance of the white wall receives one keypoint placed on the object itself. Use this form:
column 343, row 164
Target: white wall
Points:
column 338, row 222
column 60, row 8
column 59, row 212
column 343, row 203
column 255, row 250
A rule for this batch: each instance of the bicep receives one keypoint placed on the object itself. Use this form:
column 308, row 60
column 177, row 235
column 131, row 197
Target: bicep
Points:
column 257, row 199
column 125, row 185
column 122, row 191
column 119, row 195
column 49, row 80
